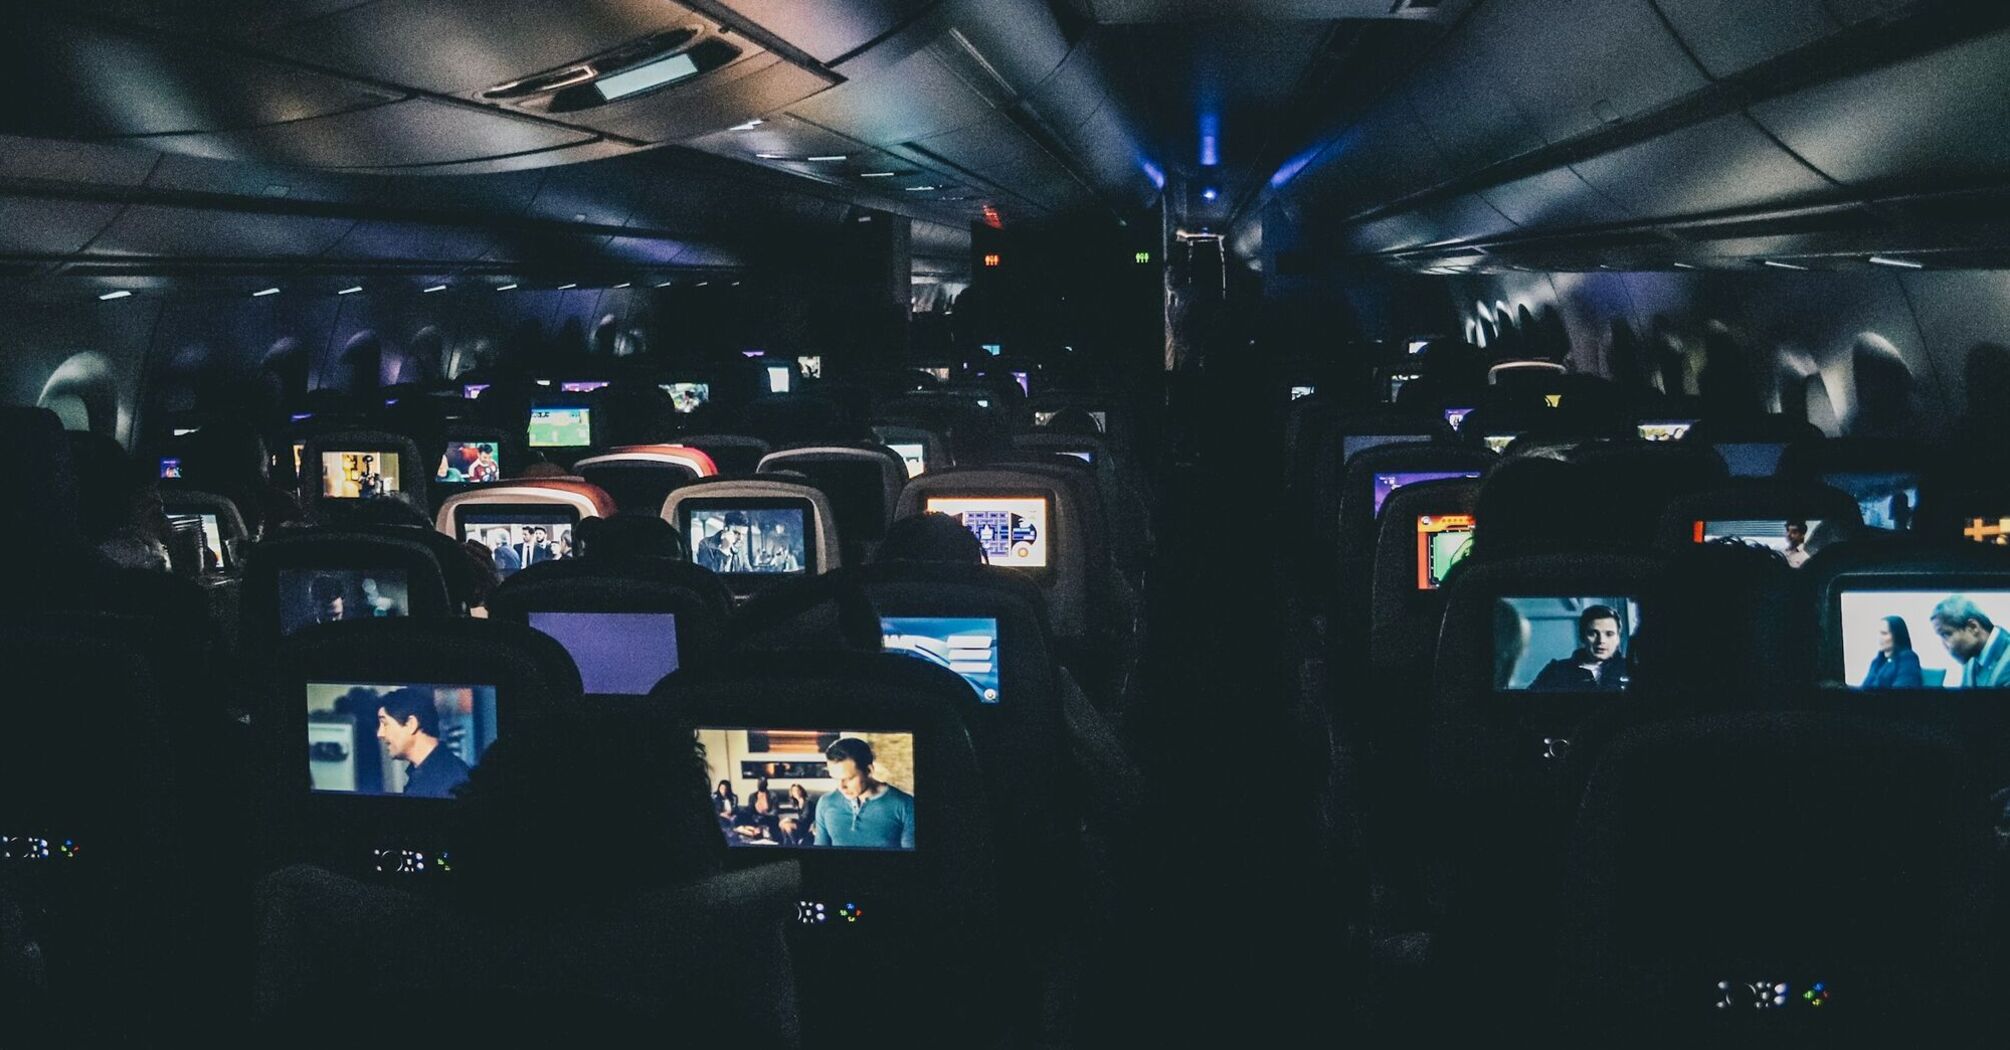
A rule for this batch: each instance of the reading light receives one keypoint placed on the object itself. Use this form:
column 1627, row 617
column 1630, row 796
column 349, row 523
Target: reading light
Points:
column 666, row 284
column 436, row 288
column 567, row 287
column 771, row 156
column 351, row 290
column 648, row 75
column 922, row 189
column 747, row 125
column 877, row 174
column 1780, row 265
column 1684, row 266
column 1210, row 194
column 506, row 288
column 829, row 158
column 120, row 294
column 263, row 292
column 623, row 284
column 1903, row 264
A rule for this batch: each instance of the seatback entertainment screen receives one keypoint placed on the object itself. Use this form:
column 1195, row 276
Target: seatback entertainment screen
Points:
column 1796, row 540
column 812, row 788
column 1012, row 529
column 687, row 398
column 409, row 739
column 360, row 475
column 556, row 427
column 311, row 596
column 747, row 540
column 1924, row 639
column 1386, row 484
column 1886, row 499
column 1564, row 644
column 470, row 461
column 1443, row 540
column 616, row 652
column 518, row 537
column 966, row 645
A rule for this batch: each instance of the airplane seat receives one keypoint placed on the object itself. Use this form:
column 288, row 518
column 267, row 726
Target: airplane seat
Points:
column 974, row 434
column 1912, row 587
column 1367, row 483
column 1637, row 479
column 1603, row 502
column 507, row 517
column 1517, row 679
column 1737, row 639
column 102, row 844
column 623, row 618
column 921, row 448
column 225, row 536
column 1133, row 540
column 756, row 533
column 323, row 575
column 736, row 455
column 1043, row 520
column 1888, row 478
column 230, row 458
column 639, row 477
column 862, row 484
column 344, row 470
column 917, row 889
column 1708, row 899
column 826, row 612
column 1973, row 512
column 1351, row 434
column 798, row 419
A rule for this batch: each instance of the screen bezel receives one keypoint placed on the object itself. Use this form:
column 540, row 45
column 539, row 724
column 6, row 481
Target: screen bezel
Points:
column 812, row 552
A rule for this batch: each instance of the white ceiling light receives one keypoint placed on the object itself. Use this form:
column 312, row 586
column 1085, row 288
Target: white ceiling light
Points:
column 877, row 174
column 1780, row 265
column 666, row 284
column 351, row 290
column 506, row 288
column 771, row 156
column 828, row 158
column 922, row 189
column 747, row 125
column 436, row 288
column 1903, row 264
column 567, row 287
column 263, row 292
column 1684, row 266
column 120, row 294
column 623, row 284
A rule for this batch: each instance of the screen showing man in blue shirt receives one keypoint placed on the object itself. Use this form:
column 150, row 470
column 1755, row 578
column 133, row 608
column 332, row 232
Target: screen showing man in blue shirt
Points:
column 870, row 814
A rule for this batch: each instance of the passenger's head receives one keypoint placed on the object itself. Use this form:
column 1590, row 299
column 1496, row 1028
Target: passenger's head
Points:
column 1893, row 636
column 797, row 793
column 405, row 717
column 114, row 492
column 1962, row 626
column 328, row 595
column 1073, row 420
column 725, row 787
column 1598, row 629
column 1797, row 533
column 930, row 537
column 850, row 760
column 762, row 803
column 630, row 535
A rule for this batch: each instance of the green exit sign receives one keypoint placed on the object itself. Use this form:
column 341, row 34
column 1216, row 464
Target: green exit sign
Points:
column 1143, row 258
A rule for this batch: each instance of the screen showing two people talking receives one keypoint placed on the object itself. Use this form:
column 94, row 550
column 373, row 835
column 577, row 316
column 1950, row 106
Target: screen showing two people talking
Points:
column 812, row 788
column 1564, row 644
column 470, row 461
column 412, row 739
column 1013, row 530
column 734, row 540
column 517, row 539
column 1924, row 639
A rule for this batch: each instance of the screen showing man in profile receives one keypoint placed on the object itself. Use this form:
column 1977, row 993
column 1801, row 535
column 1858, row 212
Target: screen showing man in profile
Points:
column 519, row 543
column 1013, row 530
column 1443, row 540
column 311, row 596
column 968, row 646
column 761, row 541
column 616, row 652
column 1958, row 644
column 359, row 475
column 470, row 461
column 1796, row 540
column 417, row 740
column 686, row 398
column 1387, row 484
column 1886, row 500
column 552, row 427
column 1564, row 645
column 812, row 788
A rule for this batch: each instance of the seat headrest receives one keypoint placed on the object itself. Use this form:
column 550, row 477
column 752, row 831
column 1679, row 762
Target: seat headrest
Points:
column 41, row 507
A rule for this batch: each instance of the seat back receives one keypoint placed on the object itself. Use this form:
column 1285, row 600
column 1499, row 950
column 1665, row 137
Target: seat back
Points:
column 223, row 531
column 1757, row 511
column 325, row 575
column 507, row 517
column 1029, row 520
column 640, row 477
column 862, row 485
column 1888, row 479
column 1364, row 489
column 920, row 448
column 736, row 455
column 626, row 622
column 784, row 530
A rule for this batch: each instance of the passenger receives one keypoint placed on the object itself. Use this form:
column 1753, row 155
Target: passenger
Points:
column 792, row 830
column 1895, row 666
column 629, row 535
column 1972, row 638
column 538, row 548
column 119, row 504
column 1598, row 665
column 801, row 802
column 505, row 558
column 930, row 537
column 756, row 823
column 1797, row 548
column 873, row 814
column 409, row 725
column 724, row 795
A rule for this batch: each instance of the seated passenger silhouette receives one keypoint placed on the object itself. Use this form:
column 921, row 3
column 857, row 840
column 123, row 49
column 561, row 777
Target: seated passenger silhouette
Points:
column 1598, row 665
column 1797, row 544
column 409, row 725
column 930, row 537
column 1895, row 666
column 1975, row 640
column 870, row 814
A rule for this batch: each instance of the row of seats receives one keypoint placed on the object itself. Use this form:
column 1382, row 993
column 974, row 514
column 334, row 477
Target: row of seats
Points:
column 1579, row 835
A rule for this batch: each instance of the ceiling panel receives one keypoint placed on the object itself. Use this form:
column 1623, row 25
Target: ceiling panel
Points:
column 179, row 172
column 416, row 132
column 1457, row 97
column 86, row 163
column 50, row 227
column 754, row 86
column 1557, row 197
column 151, row 229
column 1942, row 113
column 492, row 41
column 916, row 98
column 827, row 29
column 1575, row 68
column 1659, row 177
column 1729, row 35
column 412, row 241
column 1212, row 10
